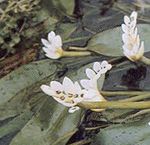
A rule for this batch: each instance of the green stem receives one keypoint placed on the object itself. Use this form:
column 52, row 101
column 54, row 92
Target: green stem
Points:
column 78, row 48
column 115, row 60
column 136, row 98
column 75, row 53
column 145, row 60
column 115, row 104
column 122, row 93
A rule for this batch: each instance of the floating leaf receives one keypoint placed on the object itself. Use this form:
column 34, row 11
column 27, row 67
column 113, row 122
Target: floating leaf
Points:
column 136, row 133
column 59, row 8
column 109, row 42
column 27, row 111
column 24, row 77
column 65, row 30
column 60, row 126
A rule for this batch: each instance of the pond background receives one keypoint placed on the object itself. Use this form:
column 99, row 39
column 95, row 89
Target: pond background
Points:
column 29, row 117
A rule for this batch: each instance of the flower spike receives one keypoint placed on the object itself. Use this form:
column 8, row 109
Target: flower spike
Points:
column 52, row 46
column 70, row 93
column 93, row 75
column 133, row 48
column 67, row 93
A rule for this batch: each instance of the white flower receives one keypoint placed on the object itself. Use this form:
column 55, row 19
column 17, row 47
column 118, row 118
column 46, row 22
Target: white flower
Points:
column 149, row 123
column 90, row 84
column 94, row 74
column 53, row 46
column 133, row 48
column 70, row 94
column 67, row 93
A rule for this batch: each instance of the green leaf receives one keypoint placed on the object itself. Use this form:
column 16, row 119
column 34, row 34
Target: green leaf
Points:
column 68, row 5
column 52, row 125
column 109, row 42
column 136, row 133
column 26, row 110
column 24, row 77
column 65, row 30
column 59, row 8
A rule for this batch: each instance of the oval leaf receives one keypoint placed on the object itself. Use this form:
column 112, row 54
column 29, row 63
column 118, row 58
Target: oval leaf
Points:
column 110, row 43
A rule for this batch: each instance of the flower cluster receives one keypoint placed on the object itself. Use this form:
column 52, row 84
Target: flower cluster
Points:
column 133, row 48
column 53, row 46
column 93, row 75
column 70, row 94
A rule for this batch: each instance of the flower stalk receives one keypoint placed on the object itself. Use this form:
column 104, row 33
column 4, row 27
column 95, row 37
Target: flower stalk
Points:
column 52, row 46
column 78, row 48
column 115, row 105
column 136, row 98
column 145, row 60
column 123, row 93
column 75, row 53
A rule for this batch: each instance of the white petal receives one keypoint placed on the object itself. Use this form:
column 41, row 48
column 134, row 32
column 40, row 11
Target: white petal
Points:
column 47, row 90
column 134, row 15
column 105, row 66
column 135, row 49
column 134, row 33
column 133, row 18
column 124, row 28
column 126, row 50
column 51, row 36
column 90, row 73
column 56, row 86
column 92, row 96
column 141, row 49
column 96, row 66
column 73, row 109
column 78, row 99
column 47, row 50
column 77, row 88
column 104, row 63
column 138, row 41
column 57, row 41
column 109, row 66
column 125, row 38
column 68, row 86
column 126, row 20
column 103, row 70
column 86, row 83
column 89, row 94
column 63, row 102
column 129, row 56
column 46, row 43
column 133, row 24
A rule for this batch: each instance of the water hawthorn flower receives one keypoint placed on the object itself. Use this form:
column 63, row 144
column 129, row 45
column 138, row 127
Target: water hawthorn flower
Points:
column 93, row 75
column 70, row 93
column 53, row 48
column 133, row 48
